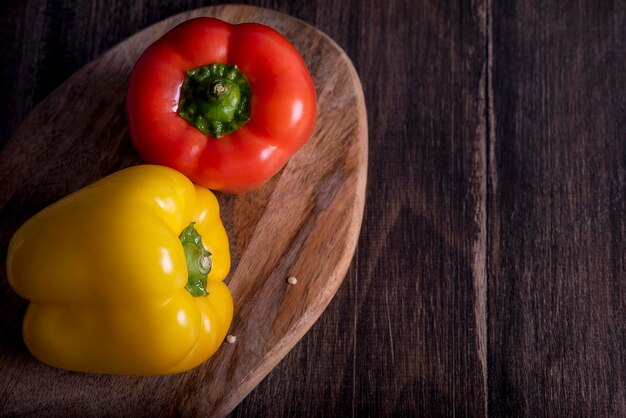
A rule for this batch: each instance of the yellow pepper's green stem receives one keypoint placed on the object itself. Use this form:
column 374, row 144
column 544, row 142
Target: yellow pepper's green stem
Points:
column 198, row 261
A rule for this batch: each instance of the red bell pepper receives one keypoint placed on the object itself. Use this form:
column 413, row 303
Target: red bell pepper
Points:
column 226, row 105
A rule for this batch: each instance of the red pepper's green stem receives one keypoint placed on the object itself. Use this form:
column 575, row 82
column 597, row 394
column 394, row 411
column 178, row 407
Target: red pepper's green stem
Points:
column 198, row 261
column 215, row 99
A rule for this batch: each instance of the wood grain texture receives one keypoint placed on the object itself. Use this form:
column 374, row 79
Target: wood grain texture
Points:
column 557, row 284
column 305, row 222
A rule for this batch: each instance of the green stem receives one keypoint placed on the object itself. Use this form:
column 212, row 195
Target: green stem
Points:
column 215, row 99
column 198, row 261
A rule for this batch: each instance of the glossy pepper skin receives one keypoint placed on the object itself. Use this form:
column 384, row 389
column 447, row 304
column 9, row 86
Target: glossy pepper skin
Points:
column 282, row 105
column 105, row 273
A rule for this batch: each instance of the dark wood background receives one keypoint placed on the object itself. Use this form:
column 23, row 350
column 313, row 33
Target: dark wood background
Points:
column 490, row 275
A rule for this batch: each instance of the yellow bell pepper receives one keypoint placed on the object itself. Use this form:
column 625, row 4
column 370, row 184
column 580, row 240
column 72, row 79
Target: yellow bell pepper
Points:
column 116, row 275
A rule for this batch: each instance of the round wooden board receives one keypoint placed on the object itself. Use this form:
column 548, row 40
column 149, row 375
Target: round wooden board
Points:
column 305, row 222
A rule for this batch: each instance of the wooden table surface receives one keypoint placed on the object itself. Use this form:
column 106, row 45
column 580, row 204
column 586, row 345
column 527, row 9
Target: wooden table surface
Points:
column 490, row 274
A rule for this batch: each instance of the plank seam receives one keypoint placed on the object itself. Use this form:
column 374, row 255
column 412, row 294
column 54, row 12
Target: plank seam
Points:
column 490, row 140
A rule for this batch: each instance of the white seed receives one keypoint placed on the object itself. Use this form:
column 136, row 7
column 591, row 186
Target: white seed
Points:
column 292, row 280
column 231, row 339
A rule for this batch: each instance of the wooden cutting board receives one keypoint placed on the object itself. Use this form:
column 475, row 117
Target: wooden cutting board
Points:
column 304, row 223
